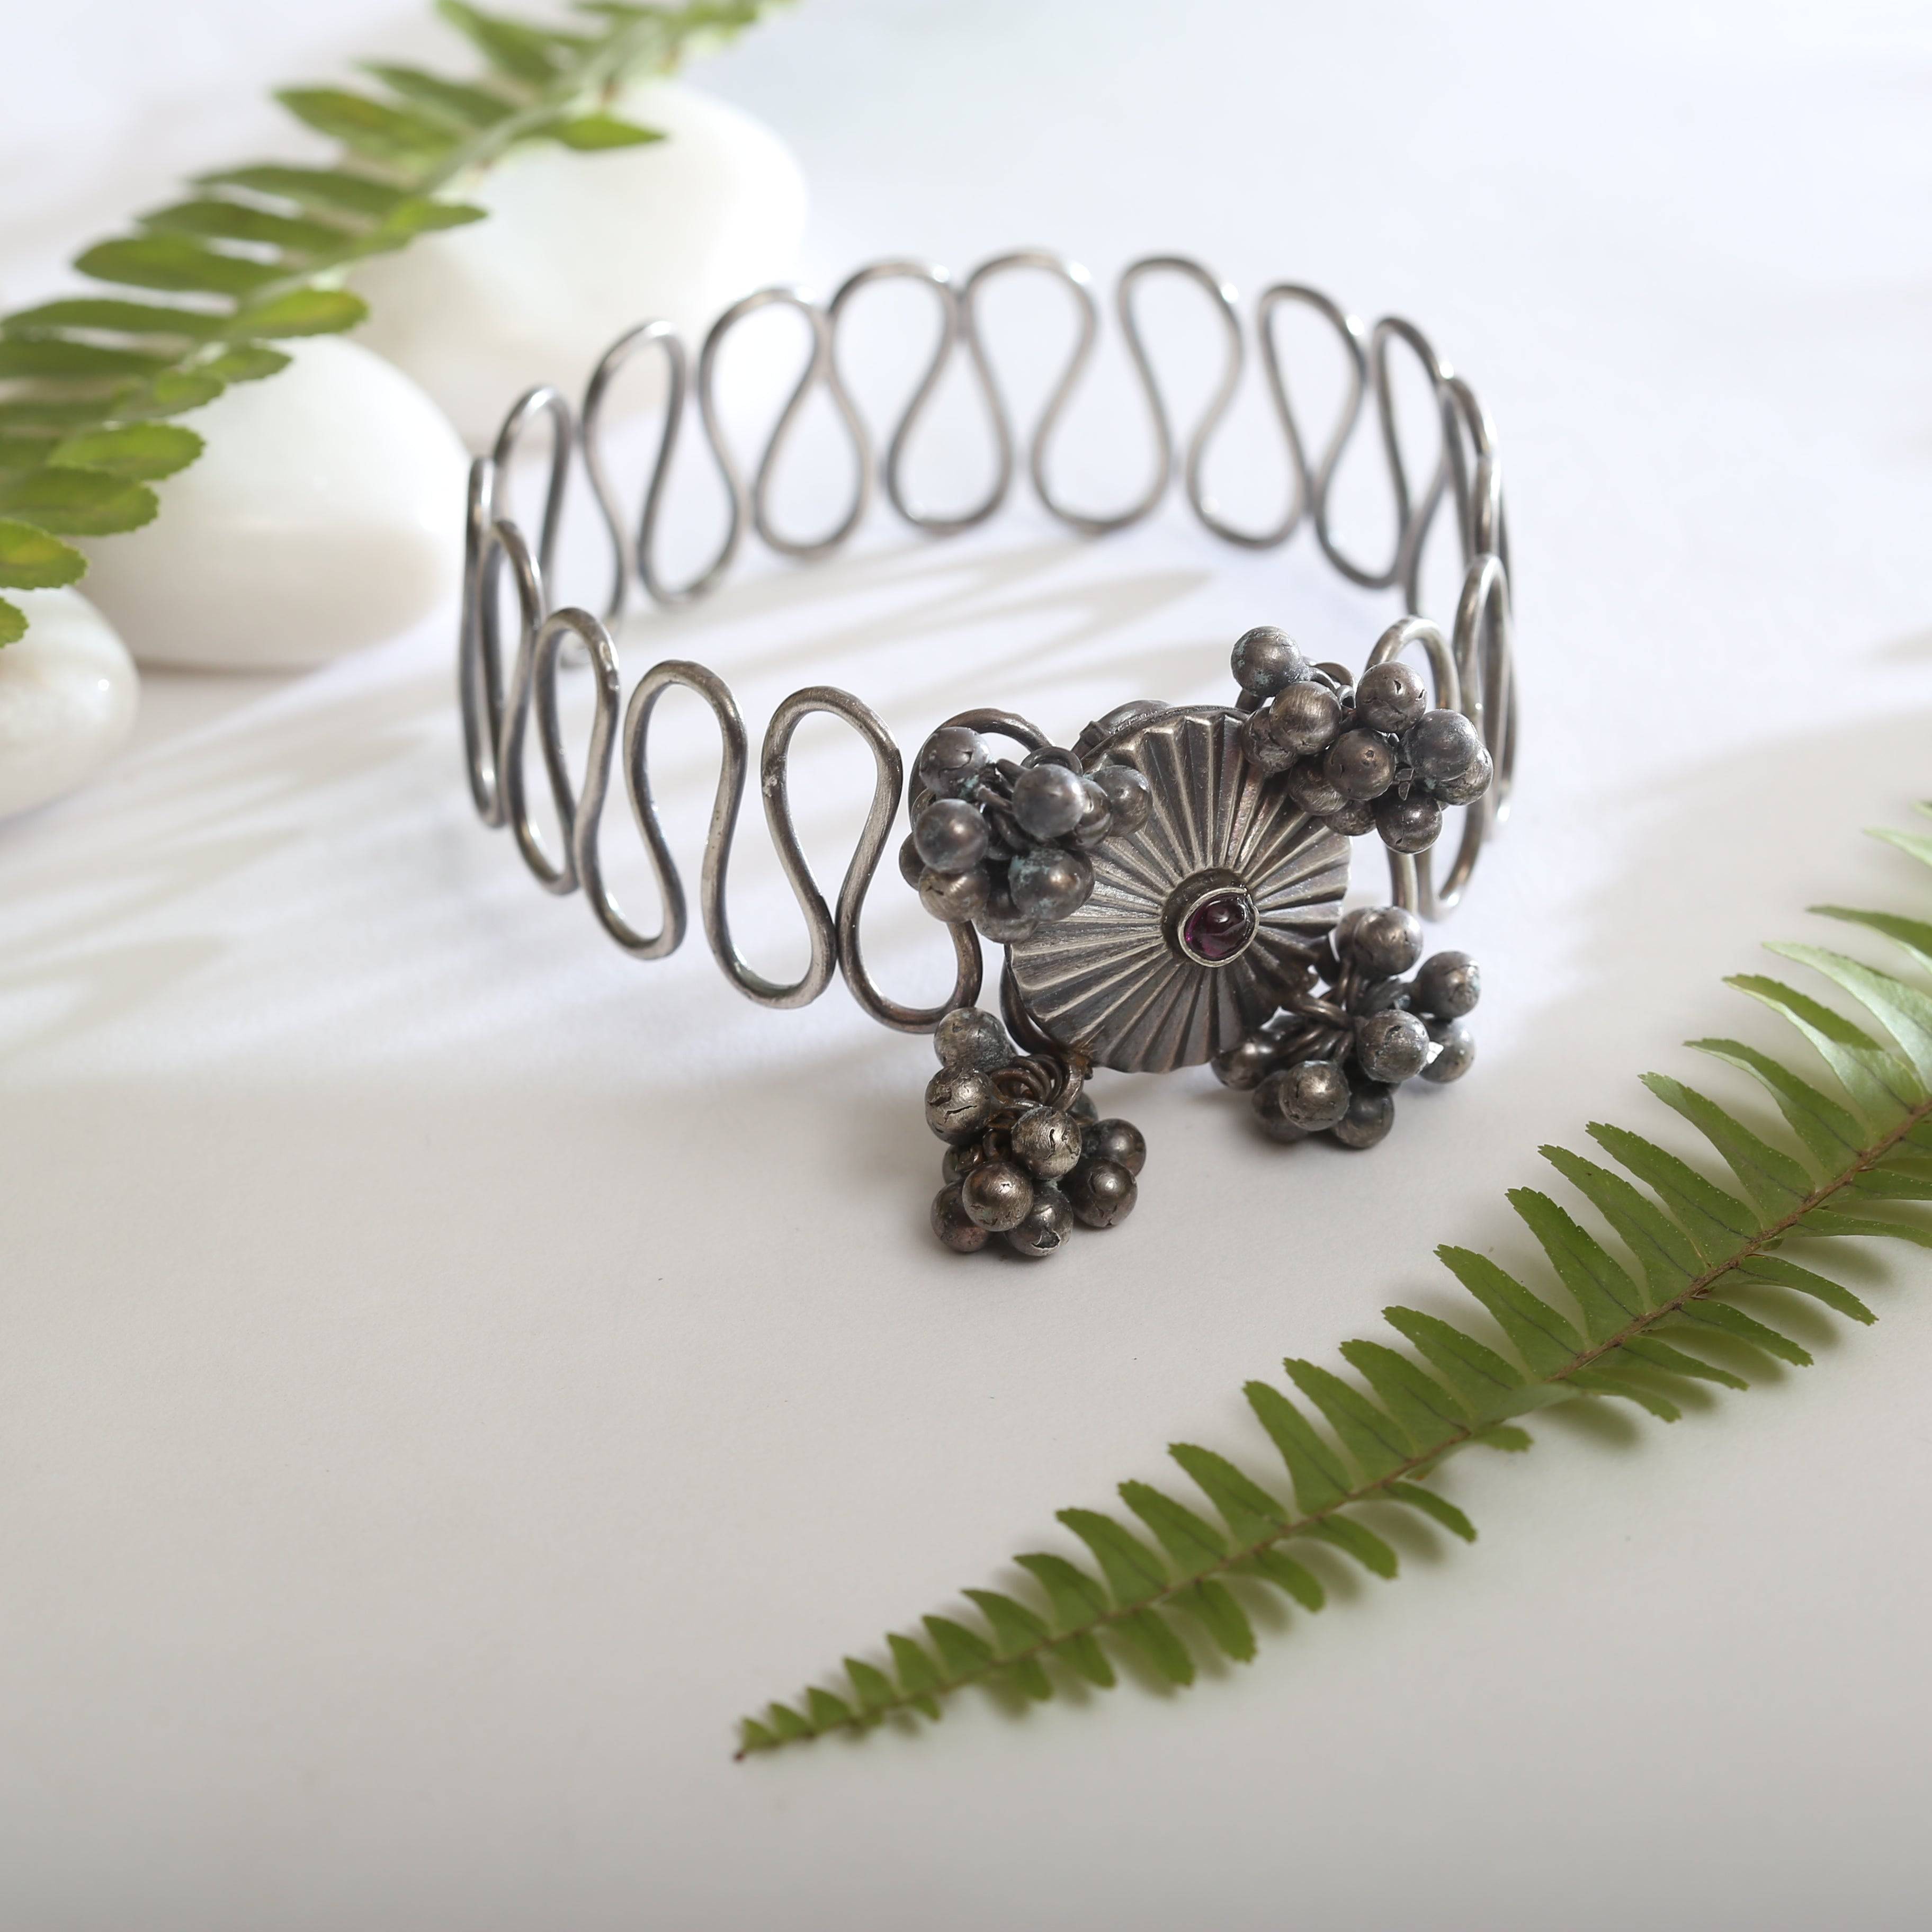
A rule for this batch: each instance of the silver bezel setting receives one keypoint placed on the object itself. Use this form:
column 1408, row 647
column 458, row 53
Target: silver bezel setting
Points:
column 1189, row 896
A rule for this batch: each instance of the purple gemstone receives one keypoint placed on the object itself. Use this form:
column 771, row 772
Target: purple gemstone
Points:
column 1219, row 927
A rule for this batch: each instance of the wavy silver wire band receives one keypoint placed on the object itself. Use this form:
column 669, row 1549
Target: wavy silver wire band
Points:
column 1471, row 667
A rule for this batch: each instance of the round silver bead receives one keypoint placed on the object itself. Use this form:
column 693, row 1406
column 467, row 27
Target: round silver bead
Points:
column 996, row 1195
column 1120, row 1141
column 1371, row 1114
column 953, row 1225
column 1356, row 816
column 1010, row 931
column 1455, row 1051
column 1047, row 1142
column 1448, row 986
column 949, row 759
column 1308, row 785
column 1047, row 883
column 1047, row 800
column 959, row 1102
column 1390, row 1046
column 1305, row 718
column 1470, row 785
column 972, row 1040
column 1441, row 744
column 1247, row 1063
column 1260, row 746
column 1096, row 821
column 1382, row 941
column 954, row 896
column 1411, row 824
column 1359, row 764
column 1048, row 1222
column 1275, row 1125
column 911, row 866
column 1102, row 1193
column 1310, row 1097
column 1390, row 696
column 1265, row 659
column 1002, row 922
column 1129, row 798
column 951, row 835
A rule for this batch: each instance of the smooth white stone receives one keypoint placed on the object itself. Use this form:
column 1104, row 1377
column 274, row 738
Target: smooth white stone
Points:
column 579, row 248
column 68, row 692
column 325, row 514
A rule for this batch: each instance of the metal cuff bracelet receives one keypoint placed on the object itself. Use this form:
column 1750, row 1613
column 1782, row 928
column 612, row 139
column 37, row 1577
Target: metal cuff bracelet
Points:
column 1168, row 887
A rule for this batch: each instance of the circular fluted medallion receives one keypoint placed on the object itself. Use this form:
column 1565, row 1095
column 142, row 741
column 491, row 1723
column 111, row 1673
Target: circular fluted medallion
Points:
column 1196, row 921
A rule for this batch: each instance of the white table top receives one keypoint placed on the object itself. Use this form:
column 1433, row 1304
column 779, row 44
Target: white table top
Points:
column 450, row 1373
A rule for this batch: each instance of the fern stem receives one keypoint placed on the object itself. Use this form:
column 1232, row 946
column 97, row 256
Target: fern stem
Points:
column 603, row 72
column 1868, row 1159
column 902, row 1701
column 82, row 428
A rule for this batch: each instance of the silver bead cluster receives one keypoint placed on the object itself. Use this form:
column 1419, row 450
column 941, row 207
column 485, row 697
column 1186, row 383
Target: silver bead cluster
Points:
column 1362, row 754
column 1026, row 1154
column 1005, row 844
column 1330, row 1060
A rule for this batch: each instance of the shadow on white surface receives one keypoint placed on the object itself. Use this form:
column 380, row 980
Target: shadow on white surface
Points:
column 396, row 1272
column 253, row 767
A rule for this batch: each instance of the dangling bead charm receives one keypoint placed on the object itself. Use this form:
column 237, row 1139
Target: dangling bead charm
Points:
column 1330, row 1060
column 1027, row 1154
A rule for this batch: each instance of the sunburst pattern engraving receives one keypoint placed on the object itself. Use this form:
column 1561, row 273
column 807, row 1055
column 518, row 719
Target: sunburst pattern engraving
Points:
column 1112, row 979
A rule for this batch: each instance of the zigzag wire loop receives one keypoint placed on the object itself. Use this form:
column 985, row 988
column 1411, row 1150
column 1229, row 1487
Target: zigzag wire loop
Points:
column 478, row 678
column 1227, row 313
column 1080, row 285
column 492, row 543
column 838, row 937
column 634, row 562
column 955, row 326
column 1470, row 666
column 637, row 719
column 1311, row 487
column 533, row 690
column 1413, row 518
column 822, row 371
column 532, row 408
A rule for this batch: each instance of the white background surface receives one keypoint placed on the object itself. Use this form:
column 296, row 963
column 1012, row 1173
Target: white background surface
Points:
column 449, row 1373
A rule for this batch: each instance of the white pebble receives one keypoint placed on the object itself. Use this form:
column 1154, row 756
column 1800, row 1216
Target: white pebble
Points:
column 325, row 514
column 68, row 691
column 580, row 246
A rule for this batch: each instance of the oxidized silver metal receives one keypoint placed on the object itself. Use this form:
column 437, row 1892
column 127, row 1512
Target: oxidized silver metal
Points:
column 1332, row 1058
column 1115, row 980
column 1209, row 924
column 1470, row 663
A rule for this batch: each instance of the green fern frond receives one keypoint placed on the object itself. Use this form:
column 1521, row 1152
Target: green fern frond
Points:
column 1648, row 1303
column 258, row 253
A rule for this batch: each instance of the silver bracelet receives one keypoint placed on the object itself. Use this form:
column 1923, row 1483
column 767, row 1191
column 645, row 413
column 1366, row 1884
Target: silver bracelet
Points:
column 1168, row 887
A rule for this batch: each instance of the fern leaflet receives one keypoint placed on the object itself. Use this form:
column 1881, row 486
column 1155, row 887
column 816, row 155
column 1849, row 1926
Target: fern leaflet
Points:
column 256, row 255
